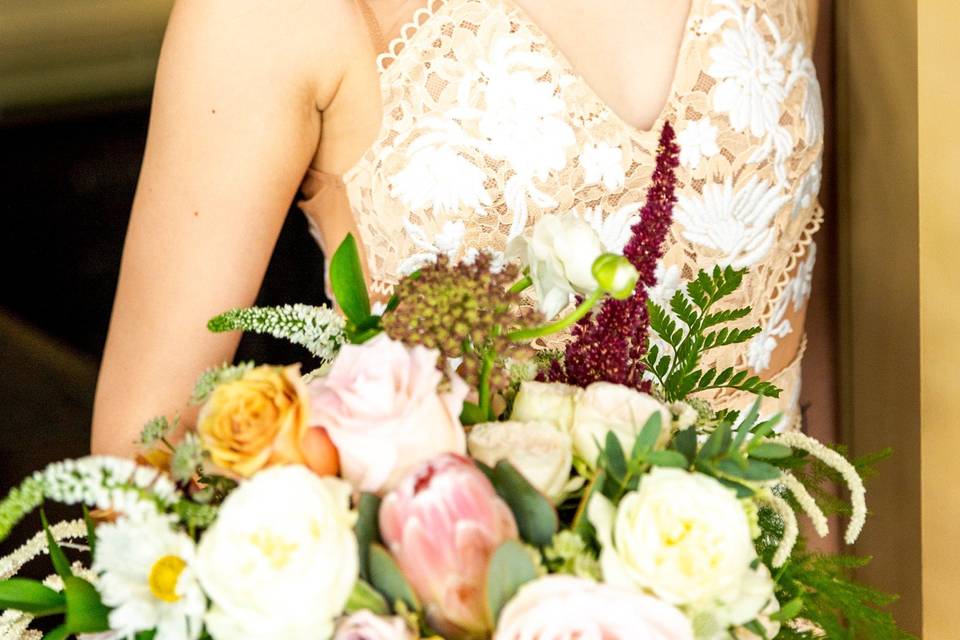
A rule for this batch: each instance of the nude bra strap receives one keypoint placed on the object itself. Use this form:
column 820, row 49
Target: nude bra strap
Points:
column 373, row 26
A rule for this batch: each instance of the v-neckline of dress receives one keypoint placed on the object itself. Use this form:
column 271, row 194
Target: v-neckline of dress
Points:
column 409, row 31
column 413, row 29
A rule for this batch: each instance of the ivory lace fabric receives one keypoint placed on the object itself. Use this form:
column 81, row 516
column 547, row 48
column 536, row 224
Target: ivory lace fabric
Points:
column 487, row 127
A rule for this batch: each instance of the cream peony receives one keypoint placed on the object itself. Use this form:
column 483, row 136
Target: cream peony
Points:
column 562, row 607
column 560, row 253
column 686, row 538
column 281, row 559
column 541, row 452
column 382, row 407
column 604, row 407
column 546, row 402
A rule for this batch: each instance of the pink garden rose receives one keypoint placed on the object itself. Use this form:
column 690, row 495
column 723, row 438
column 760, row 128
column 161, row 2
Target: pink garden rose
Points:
column 560, row 607
column 381, row 406
column 364, row 625
column 442, row 524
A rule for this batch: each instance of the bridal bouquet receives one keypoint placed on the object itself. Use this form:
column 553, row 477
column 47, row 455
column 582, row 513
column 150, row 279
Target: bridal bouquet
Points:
column 439, row 477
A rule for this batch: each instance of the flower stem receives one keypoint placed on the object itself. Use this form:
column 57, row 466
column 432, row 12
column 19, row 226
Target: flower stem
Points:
column 525, row 335
column 486, row 370
column 521, row 285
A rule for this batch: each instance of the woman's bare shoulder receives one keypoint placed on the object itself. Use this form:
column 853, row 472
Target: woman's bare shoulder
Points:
column 294, row 42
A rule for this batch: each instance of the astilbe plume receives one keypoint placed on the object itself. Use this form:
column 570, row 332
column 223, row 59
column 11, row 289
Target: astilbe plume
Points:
column 462, row 310
column 609, row 345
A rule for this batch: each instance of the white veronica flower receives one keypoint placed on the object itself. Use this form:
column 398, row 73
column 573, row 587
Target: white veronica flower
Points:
column 603, row 163
column 441, row 180
column 737, row 223
column 698, row 140
column 147, row 576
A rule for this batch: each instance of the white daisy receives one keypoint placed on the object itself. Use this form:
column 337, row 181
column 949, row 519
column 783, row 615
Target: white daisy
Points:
column 698, row 140
column 146, row 577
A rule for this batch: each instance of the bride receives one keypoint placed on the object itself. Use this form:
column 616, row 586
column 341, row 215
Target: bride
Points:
column 436, row 126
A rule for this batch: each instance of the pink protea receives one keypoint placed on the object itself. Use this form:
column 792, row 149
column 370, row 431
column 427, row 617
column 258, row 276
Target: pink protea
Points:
column 442, row 524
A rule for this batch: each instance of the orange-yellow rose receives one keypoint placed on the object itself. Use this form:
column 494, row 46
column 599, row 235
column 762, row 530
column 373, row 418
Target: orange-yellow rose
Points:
column 261, row 420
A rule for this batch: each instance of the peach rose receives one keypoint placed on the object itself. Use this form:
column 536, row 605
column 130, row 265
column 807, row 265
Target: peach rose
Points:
column 382, row 406
column 260, row 420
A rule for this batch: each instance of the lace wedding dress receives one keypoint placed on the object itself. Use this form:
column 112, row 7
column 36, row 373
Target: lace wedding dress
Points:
column 487, row 127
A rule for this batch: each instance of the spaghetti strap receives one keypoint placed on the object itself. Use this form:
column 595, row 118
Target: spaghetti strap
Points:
column 373, row 26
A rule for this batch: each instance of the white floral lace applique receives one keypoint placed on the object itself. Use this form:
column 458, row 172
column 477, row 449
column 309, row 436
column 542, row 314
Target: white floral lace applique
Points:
column 761, row 347
column 697, row 140
column 738, row 223
column 603, row 163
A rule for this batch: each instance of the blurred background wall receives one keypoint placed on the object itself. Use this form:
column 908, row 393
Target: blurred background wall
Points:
column 75, row 82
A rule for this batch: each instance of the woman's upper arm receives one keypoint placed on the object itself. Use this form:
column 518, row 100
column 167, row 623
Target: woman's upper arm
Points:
column 234, row 125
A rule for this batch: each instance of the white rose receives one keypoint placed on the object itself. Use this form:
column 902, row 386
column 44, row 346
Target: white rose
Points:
column 604, row 407
column 281, row 559
column 684, row 537
column 560, row 253
column 538, row 450
column 546, row 402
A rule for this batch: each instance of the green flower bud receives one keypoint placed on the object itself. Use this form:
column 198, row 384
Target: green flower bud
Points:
column 615, row 275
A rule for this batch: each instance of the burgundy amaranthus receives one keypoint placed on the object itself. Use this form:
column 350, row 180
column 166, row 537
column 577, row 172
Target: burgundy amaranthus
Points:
column 609, row 345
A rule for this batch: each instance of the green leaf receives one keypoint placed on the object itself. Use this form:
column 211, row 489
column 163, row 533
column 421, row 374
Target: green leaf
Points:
column 537, row 520
column 91, row 533
column 86, row 612
column 616, row 462
column 60, row 633
column 389, row 580
column 743, row 491
column 686, row 443
column 754, row 470
column 789, row 611
column 510, row 568
column 747, row 424
column 717, row 443
column 364, row 596
column 60, row 563
column 648, row 435
column 666, row 459
column 771, row 451
column 30, row 596
column 367, row 529
column 348, row 282
column 472, row 414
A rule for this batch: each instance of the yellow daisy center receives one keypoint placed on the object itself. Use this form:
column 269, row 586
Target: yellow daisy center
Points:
column 164, row 576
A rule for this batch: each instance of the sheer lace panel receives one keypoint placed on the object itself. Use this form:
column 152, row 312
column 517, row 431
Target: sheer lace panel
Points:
column 486, row 128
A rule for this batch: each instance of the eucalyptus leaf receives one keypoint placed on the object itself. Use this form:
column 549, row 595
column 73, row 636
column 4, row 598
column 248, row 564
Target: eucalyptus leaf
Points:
column 616, row 463
column 717, row 443
column 666, row 459
column 755, row 470
column 686, row 443
column 771, row 451
column 510, row 568
column 86, row 612
column 648, row 435
column 388, row 579
column 536, row 517
column 348, row 282
column 364, row 596
column 367, row 529
column 30, row 596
